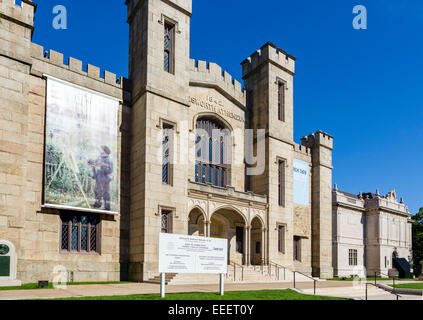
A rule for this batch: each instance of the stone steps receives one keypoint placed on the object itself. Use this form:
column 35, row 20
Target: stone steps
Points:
column 355, row 292
column 168, row 278
column 251, row 274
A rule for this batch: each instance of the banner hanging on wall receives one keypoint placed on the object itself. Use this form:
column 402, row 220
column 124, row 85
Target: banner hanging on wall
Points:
column 81, row 148
column 301, row 182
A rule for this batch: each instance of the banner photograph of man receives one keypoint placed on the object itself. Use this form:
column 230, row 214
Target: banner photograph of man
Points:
column 81, row 157
column 102, row 169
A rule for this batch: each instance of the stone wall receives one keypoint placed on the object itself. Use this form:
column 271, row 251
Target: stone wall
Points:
column 159, row 97
column 371, row 226
column 321, row 145
column 262, row 73
column 34, row 230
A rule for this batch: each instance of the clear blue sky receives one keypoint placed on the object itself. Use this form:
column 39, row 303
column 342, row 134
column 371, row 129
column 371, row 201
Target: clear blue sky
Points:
column 362, row 86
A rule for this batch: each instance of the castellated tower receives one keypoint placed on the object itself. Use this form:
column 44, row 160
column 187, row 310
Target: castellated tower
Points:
column 268, row 76
column 16, row 27
column 159, row 72
column 148, row 20
column 299, row 227
column 321, row 145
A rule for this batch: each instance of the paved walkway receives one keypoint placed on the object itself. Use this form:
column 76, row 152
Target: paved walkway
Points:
column 358, row 292
column 328, row 288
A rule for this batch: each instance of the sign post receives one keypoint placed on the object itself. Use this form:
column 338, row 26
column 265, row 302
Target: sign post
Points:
column 162, row 284
column 195, row 255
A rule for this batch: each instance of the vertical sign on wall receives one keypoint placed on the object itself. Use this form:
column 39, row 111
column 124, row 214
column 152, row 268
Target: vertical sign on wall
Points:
column 301, row 182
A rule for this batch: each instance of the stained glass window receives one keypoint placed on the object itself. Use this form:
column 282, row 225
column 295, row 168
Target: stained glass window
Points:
column 65, row 236
column 281, row 101
column 197, row 169
column 169, row 35
column 167, row 151
column 79, row 233
column 84, row 233
column 212, row 165
column 166, row 221
column 74, row 234
column 93, row 233
column 203, row 174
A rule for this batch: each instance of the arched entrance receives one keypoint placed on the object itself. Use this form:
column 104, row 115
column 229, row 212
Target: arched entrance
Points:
column 257, row 241
column 229, row 224
column 246, row 242
column 196, row 225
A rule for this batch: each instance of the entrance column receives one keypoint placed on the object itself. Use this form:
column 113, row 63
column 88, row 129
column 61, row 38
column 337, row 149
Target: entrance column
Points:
column 247, row 249
column 263, row 246
column 207, row 228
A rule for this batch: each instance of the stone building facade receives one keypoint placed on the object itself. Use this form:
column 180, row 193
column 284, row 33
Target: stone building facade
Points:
column 33, row 229
column 172, row 178
column 367, row 229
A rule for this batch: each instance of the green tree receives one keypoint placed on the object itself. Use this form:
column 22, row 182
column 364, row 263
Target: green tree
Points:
column 418, row 238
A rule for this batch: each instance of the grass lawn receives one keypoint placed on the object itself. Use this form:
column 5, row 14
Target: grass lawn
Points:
column 418, row 285
column 230, row 295
column 31, row 286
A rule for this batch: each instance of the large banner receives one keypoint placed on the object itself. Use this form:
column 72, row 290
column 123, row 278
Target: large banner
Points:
column 81, row 153
column 187, row 254
column 301, row 182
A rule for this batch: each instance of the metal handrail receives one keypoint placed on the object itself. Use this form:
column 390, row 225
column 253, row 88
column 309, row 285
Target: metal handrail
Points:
column 278, row 267
column 372, row 284
column 384, row 274
column 242, row 270
column 307, row 277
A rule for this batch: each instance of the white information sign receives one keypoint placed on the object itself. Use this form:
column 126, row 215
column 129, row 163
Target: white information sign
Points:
column 187, row 254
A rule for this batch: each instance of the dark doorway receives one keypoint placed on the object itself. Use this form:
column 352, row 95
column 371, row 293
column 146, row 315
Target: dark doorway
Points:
column 240, row 239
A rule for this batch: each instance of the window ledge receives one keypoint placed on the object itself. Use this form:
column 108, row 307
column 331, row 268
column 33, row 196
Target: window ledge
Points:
column 79, row 253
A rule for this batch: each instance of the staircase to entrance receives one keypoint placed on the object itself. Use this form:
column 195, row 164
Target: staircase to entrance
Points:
column 238, row 274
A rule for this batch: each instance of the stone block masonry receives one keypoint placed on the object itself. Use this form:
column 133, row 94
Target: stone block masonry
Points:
column 23, row 221
column 257, row 214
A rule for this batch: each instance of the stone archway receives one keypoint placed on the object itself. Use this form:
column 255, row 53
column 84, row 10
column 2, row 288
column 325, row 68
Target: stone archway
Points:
column 257, row 241
column 232, row 225
column 197, row 225
column 8, row 264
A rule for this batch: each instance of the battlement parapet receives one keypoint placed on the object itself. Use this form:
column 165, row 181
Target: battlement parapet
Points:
column 302, row 149
column 210, row 74
column 184, row 6
column 23, row 13
column 318, row 138
column 75, row 65
column 269, row 53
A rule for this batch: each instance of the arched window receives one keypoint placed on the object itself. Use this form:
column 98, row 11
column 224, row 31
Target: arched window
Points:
column 212, row 152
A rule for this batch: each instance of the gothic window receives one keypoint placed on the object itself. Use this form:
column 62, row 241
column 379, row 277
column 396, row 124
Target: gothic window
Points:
column 169, row 48
column 281, row 239
column 297, row 248
column 79, row 233
column 167, row 145
column 281, row 183
column 281, row 101
column 212, row 152
column 166, row 221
